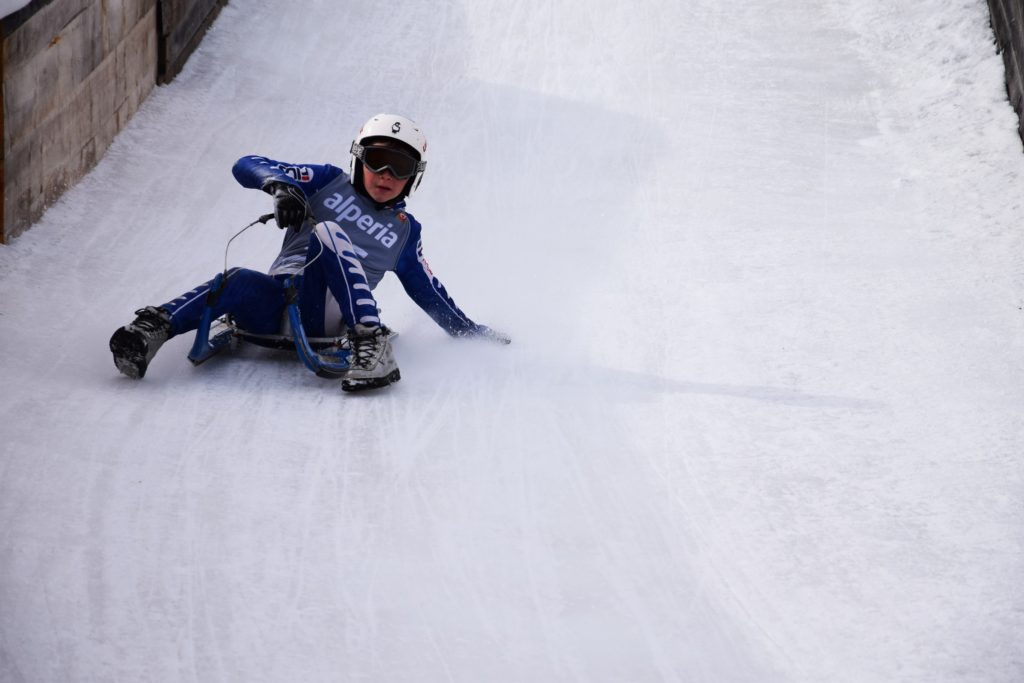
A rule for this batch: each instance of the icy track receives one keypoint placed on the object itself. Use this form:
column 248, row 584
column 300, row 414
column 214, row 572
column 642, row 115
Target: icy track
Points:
column 762, row 419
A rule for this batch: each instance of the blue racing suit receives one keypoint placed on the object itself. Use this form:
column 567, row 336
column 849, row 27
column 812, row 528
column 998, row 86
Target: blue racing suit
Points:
column 345, row 250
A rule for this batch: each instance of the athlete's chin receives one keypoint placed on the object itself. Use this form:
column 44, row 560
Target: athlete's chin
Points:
column 383, row 195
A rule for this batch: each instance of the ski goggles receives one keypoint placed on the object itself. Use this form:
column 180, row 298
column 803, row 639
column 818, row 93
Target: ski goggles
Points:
column 380, row 159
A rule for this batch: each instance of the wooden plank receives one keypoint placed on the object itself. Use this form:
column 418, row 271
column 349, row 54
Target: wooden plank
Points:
column 40, row 84
column 60, row 136
column 40, row 29
column 182, row 25
column 3, row 151
column 136, row 76
column 1008, row 25
column 120, row 17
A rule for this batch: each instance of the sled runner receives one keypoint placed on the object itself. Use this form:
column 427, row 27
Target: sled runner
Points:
column 328, row 357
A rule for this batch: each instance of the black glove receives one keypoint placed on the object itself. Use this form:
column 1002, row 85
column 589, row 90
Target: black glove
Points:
column 290, row 206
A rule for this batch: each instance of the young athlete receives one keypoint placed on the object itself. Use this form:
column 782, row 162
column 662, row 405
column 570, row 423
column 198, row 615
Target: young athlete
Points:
column 344, row 231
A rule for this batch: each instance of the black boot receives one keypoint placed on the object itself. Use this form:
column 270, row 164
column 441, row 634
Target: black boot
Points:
column 135, row 344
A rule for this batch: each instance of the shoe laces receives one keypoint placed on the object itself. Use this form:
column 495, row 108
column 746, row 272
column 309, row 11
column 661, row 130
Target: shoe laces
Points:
column 149, row 320
column 364, row 346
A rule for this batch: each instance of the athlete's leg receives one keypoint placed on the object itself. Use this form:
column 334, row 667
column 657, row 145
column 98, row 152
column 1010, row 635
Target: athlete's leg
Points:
column 371, row 363
column 254, row 300
column 339, row 266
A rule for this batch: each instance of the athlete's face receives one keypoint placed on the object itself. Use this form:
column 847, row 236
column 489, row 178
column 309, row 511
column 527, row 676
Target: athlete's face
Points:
column 382, row 187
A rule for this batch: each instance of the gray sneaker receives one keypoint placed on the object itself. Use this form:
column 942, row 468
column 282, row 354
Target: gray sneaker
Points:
column 371, row 363
column 135, row 344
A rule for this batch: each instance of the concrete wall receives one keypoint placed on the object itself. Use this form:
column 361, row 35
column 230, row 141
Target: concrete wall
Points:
column 1008, row 25
column 73, row 73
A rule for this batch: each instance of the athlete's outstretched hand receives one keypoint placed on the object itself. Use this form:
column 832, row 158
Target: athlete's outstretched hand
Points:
column 495, row 336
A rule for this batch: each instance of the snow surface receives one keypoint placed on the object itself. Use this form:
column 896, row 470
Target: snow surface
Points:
column 11, row 6
column 763, row 415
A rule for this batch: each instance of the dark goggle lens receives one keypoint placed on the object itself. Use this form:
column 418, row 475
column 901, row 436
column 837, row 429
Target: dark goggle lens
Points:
column 379, row 159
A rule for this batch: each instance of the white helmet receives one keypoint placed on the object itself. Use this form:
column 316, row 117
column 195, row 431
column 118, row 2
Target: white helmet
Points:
column 408, row 158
